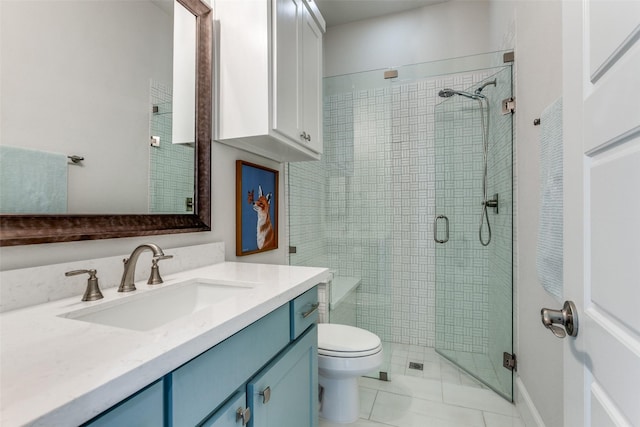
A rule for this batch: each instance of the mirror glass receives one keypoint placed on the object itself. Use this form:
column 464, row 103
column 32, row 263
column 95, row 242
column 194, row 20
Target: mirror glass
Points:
column 97, row 80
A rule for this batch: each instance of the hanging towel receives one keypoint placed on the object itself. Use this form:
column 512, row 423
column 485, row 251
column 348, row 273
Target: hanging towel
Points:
column 32, row 181
column 549, row 252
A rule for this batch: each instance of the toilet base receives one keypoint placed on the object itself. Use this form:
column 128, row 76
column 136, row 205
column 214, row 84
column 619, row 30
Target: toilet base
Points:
column 340, row 399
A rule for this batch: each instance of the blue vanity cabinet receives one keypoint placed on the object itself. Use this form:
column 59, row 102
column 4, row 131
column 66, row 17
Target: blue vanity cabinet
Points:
column 284, row 393
column 143, row 409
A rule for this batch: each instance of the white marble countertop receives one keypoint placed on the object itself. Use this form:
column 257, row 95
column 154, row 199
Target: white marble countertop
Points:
column 63, row 372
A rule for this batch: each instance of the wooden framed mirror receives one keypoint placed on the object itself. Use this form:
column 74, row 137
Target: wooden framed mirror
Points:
column 24, row 229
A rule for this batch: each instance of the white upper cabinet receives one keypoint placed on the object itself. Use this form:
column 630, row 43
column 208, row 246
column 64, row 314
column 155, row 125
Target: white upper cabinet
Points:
column 269, row 77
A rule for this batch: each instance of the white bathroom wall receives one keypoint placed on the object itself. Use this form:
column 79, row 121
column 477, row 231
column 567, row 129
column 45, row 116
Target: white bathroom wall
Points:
column 538, row 48
column 445, row 30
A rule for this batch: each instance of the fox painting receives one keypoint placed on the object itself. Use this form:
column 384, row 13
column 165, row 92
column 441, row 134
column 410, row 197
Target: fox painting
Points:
column 265, row 235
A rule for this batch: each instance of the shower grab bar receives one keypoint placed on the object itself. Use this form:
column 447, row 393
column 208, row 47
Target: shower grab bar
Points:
column 435, row 229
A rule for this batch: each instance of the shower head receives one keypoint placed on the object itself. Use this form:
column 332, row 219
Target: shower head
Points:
column 447, row 93
column 492, row 82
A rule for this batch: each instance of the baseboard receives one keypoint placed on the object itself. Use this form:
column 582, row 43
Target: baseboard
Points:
column 528, row 412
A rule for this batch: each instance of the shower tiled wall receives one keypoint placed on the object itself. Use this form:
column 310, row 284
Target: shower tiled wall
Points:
column 306, row 189
column 171, row 176
column 366, row 209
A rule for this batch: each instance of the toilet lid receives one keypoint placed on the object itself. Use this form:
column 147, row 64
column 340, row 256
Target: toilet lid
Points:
column 346, row 341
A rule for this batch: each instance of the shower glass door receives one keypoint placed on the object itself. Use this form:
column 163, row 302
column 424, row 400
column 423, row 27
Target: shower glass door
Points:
column 474, row 291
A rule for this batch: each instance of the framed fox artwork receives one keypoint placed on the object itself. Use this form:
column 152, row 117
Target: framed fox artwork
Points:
column 256, row 208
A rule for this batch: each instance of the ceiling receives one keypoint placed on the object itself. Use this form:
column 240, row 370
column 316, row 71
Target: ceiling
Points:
column 336, row 12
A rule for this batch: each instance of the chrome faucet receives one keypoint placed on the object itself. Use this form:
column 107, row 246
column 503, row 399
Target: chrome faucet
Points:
column 128, row 276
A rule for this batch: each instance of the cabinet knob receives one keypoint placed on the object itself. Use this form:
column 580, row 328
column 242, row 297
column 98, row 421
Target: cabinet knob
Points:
column 266, row 395
column 243, row 415
column 306, row 136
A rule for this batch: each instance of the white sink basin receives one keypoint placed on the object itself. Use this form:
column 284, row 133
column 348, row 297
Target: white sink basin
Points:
column 152, row 309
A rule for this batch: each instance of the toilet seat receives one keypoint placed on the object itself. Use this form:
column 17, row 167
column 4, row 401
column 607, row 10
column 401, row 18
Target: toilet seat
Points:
column 346, row 341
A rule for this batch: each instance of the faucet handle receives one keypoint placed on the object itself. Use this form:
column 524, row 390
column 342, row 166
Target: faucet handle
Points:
column 76, row 272
column 154, row 278
column 92, row 293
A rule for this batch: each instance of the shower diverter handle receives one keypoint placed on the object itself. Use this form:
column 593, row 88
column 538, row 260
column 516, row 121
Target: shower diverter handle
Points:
column 435, row 229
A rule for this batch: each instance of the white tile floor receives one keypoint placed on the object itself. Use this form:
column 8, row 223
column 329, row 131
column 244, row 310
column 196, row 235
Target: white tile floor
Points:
column 441, row 395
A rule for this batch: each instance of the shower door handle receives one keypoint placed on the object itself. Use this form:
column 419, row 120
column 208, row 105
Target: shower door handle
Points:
column 446, row 230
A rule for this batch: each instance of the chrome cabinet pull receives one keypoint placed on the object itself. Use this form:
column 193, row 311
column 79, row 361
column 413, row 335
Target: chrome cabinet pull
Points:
column 435, row 229
column 567, row 318
column 314, row 308
column 243, row 415
column 266, row 395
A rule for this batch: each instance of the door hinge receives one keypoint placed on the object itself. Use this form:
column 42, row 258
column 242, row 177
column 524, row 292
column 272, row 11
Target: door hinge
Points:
column 293, row 249
column 508, row 106
column 509, row 361
column 508, row 57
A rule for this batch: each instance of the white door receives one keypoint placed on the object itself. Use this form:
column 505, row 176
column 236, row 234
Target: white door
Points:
column 601, row 98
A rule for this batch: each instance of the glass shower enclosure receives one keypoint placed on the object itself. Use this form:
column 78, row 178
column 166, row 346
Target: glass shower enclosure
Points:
column 396, row 156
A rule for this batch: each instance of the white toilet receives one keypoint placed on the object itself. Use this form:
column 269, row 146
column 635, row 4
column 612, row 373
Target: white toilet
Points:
column 344, row 354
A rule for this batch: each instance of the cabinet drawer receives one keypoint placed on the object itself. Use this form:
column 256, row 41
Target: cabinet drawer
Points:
column 304, row 312
column 202, row 384
column 143, row 409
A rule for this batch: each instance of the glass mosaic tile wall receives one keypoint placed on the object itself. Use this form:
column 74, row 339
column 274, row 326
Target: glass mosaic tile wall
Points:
column 171, row 168
column 366, row 209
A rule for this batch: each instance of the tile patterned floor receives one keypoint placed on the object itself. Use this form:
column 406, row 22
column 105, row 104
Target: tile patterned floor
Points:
column 441, row 395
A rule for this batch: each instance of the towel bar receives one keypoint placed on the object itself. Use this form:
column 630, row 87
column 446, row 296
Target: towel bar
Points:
column 75, row 159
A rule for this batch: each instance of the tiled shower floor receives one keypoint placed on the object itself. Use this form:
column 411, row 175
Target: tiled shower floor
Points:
column 441, row 395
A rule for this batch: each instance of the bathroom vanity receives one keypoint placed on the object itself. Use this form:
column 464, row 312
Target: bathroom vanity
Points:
column 249, row 358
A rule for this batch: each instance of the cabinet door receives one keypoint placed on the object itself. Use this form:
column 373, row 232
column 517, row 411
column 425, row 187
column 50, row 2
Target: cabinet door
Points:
column 285, row 393
column 228, row 415
column 143, row 409
column 311, row 82
column 287, row 17
column 201, row 385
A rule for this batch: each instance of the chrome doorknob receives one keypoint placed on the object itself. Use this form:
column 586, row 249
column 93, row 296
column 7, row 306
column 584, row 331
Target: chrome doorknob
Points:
column 567, row 318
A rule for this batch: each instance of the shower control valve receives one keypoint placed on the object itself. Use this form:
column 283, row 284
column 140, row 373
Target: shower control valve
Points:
column 492, row 203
